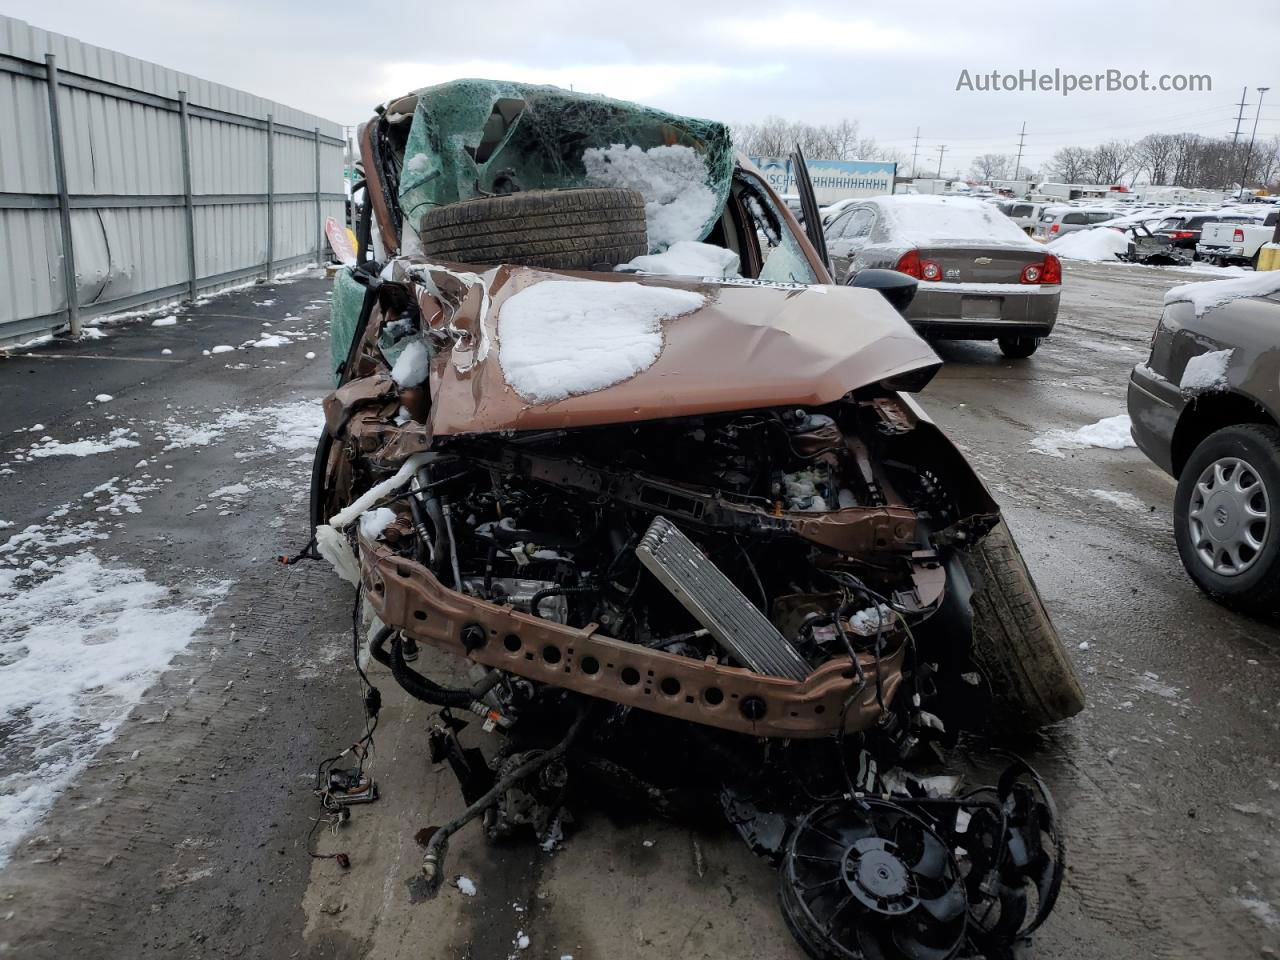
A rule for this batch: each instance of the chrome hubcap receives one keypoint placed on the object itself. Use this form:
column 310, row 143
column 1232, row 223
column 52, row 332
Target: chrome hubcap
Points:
column 1229, row 516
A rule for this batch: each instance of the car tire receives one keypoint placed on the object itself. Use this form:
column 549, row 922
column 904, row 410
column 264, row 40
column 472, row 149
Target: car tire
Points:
column 1019, row 348
column 1253, row 449
column 575, row 229
column 1033, row 682
column 1257, row 259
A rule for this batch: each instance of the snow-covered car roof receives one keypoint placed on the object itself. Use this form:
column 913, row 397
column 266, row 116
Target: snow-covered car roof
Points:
column 951, row 221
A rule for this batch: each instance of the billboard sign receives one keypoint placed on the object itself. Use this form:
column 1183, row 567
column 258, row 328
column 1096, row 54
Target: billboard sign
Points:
column 832, row 179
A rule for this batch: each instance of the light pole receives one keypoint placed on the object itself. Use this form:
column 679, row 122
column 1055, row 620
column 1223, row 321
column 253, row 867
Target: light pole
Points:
column 1248, row 154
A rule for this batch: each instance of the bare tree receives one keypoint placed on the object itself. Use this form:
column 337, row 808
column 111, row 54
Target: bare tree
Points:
column 992, row 166
column 1110, row 161
column 777, row 137
column 1268, row 161
column 1154, row 155
column 1071, row 164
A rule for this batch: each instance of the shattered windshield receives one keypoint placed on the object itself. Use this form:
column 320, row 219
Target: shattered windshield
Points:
column 477, row 138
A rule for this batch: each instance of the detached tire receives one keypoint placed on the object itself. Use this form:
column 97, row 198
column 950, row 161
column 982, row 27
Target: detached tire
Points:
column 1018, row 348
column 1014, row 642
column 563, row 229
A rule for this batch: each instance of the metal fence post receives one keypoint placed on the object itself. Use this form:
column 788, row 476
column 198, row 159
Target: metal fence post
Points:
column 319, row 220
column 64, row 201
column 271, row 192
column 185, row 122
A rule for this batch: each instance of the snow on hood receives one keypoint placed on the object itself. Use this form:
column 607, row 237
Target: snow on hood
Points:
column 560, row 338
column 1206, row 295
column 732, row 345
column 929, row 221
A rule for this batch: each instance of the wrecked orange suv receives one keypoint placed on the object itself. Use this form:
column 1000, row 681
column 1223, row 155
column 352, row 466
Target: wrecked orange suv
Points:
column 604, row 429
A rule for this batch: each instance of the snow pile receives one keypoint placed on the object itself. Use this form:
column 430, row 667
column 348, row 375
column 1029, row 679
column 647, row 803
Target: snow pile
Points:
column 672, row 179
column 164, row 321
column 117, row 439
column 1111, row 433
column 1214, row 293
column 1206, row 373
column 687, row 258
column 104, row 398
column 560, row 338
column 78, row 650
column 1096, row 245
column 466, row 886
column 222, row 348
column 412, row 365
column 925, row 221
column 270, row 340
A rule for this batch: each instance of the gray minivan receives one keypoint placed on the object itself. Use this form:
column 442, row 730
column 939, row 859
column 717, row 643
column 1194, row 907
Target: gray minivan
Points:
column 1053, row 224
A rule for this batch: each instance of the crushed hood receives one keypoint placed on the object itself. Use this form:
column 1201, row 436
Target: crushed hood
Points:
column 751, row 344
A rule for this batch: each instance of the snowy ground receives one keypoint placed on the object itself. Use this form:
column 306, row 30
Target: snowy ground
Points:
column 87, row 628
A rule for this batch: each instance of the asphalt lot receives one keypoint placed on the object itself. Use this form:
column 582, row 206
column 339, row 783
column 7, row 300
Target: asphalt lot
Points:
column 184, row 837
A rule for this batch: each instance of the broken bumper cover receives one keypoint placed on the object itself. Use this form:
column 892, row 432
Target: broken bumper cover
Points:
column 409, row 598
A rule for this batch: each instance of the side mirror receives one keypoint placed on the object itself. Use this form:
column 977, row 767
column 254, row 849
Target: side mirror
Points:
column 898, row 288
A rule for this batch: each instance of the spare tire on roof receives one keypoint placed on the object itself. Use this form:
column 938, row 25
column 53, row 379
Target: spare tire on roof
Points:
column 575, row 229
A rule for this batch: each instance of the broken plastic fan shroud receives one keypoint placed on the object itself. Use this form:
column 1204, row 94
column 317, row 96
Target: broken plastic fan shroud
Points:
column 1015, row 857
column 869, row 880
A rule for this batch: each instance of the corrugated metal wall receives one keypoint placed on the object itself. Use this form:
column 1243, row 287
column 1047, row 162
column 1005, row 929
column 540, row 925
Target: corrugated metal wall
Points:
column 121, row 126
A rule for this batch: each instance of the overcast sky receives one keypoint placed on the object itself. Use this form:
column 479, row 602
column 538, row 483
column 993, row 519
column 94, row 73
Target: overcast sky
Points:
column 892, row 68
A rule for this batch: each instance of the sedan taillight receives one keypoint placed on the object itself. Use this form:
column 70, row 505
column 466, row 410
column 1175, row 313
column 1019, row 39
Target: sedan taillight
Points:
column 909, row 263
column 1047, row 271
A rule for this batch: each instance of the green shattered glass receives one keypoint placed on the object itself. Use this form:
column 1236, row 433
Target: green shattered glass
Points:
column 345, row 303
column 471, row 138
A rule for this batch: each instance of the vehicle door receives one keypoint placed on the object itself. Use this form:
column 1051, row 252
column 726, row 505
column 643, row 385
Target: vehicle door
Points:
column 854, row 234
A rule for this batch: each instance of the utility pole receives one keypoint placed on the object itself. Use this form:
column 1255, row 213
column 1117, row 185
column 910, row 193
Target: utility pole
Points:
column 942, row 148
column 1226, row 174
column 1248, row 154
column 1017, row 165
column 915, row 153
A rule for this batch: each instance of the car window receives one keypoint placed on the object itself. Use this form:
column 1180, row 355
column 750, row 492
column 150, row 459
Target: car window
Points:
column 1023, row 210
column 783, row 257
column 1272, row 218
column 834, row 228
column 1100, row 217
column 1047, row 217
column 1074, row 218
column 1169, row 223
column 860, row 223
